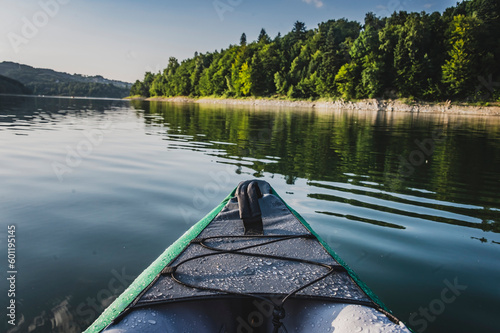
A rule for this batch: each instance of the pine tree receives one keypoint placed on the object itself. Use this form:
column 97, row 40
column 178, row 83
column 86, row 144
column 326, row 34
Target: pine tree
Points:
column 263, row 37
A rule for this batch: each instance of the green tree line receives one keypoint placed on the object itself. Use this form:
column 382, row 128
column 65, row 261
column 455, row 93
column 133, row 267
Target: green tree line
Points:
column 437, row 56
column 89, row 89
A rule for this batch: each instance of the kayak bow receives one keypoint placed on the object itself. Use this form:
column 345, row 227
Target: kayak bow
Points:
column 251, row 265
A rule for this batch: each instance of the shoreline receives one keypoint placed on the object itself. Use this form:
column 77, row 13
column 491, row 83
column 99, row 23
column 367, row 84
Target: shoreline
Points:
column 362, row 105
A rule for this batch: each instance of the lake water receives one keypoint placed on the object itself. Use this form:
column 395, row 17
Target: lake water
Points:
column 97, row 189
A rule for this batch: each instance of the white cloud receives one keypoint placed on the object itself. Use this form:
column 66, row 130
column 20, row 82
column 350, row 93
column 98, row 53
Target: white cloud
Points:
column 317, row 3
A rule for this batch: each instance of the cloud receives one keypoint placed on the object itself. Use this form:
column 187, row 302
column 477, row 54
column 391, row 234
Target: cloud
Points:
column 428, row 5
column 316, row 3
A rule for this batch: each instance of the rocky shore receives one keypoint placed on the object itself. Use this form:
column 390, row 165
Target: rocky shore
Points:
column 363, row 105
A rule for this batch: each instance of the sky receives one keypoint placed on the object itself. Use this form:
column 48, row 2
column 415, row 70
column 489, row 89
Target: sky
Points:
column 123, row 39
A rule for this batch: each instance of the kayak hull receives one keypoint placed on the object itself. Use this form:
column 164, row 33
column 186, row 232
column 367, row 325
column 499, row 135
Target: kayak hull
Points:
column 253, row 316
column 252, row 265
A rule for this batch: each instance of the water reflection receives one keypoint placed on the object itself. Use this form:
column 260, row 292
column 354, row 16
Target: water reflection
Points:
column 403, row 222
column 360, row 159
column 24, row 114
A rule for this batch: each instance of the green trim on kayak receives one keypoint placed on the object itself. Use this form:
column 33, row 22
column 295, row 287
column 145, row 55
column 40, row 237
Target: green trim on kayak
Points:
column 353, row 275
column 146, row 277
column 149, row 274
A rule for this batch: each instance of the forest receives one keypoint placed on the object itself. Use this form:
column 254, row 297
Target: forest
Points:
column 42, row 81
column 454, row 55
column 87, row 89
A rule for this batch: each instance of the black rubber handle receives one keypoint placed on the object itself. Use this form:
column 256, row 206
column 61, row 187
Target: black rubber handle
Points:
column 248, row 194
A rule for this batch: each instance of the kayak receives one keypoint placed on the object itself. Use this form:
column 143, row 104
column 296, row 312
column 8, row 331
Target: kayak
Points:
column 253, row 264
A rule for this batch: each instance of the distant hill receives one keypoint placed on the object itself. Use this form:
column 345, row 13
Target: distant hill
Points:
column 43, row 81
column 11, row 86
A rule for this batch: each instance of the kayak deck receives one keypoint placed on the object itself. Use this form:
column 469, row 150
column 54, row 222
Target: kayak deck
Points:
column 256, row 267
column 242, row 315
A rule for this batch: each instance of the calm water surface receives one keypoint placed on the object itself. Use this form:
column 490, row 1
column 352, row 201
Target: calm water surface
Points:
column 97, row 189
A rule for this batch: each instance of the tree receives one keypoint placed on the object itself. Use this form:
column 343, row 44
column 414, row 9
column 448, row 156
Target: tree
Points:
column 365, row 56
column 371, row 20
column 235, row 83
column 243, row 39
column 426, row 56
column 263, row 37
column 460, row 67
column 411, row 55
column 299, row 31
column 281, row 83
column 138, row 89
column 158, row 85
column 142, row 88
column 219, row 80
column 195, row 76
column 346, row 80
column 299, row 27
column 371, row 77
column 269, row 58
column 181, row 80
column 336, row 41
column 206, row 85
column 173, row 65
column 246, row 79
column 258, row 76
